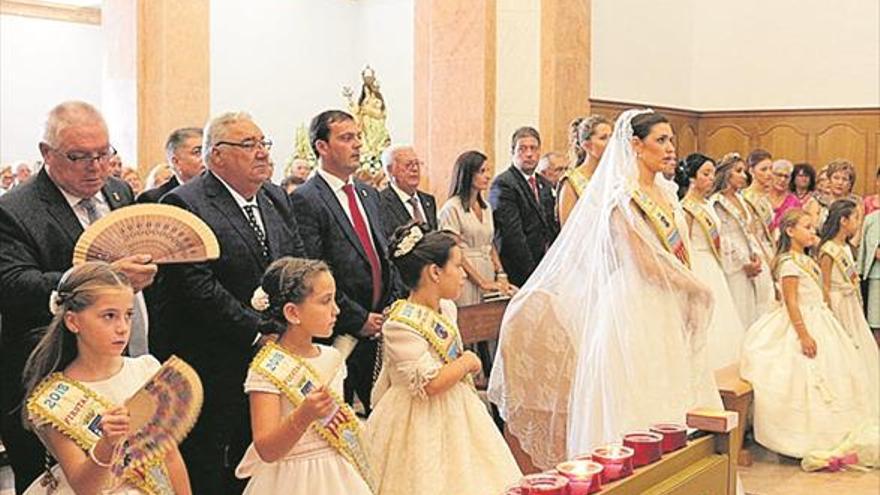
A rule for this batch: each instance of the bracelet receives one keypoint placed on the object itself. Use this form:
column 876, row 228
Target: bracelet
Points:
column 94, row 458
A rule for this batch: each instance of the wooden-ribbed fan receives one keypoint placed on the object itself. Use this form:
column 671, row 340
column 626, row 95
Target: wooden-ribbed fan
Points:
column 162, row 413
column 167, row 233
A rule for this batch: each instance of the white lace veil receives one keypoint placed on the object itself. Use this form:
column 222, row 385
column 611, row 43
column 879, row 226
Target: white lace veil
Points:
column 575, row 306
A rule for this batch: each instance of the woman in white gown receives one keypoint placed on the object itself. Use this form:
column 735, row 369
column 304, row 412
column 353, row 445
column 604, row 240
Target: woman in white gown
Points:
column 744, row 258
column 622, row 319
column 801, row 362
column 696, row 174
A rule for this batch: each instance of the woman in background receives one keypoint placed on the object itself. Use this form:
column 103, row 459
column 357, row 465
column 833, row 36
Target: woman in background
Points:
column 592, row 135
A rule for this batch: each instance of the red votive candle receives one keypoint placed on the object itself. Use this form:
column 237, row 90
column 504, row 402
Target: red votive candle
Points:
column 544, row 484
column 617, row 460
column 674, row 435
column 647, row 446
column 584, row 476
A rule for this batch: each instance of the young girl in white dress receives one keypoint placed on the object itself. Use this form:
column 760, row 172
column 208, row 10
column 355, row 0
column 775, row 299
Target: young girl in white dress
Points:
column 803, row 365
column 76, row 380
column 696, row 174
column 841, row 282
column 306, row 439
column 429, row 432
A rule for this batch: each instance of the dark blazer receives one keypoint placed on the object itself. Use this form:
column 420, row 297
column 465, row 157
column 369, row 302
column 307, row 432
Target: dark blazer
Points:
column 203, row 314
column 524, row 228
column 395, row 214
column 38, row 230
column 203, row 311
column 328, row 235
column 155, row 194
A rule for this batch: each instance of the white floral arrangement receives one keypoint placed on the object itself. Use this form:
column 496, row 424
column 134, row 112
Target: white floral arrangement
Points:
column 260, row 300
column 407, row 244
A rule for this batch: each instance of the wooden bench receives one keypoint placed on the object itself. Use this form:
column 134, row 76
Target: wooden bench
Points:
column 737, row 396
column 481, row 322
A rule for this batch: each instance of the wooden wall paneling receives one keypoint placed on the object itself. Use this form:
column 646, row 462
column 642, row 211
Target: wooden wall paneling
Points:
column 786, row 141
column 842, row 140
column 724, row 138
column 686, row 139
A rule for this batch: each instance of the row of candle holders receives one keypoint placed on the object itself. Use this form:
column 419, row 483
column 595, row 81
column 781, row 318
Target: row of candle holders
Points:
column 586, row 473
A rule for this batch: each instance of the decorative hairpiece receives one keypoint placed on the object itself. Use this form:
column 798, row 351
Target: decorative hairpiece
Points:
column 407, row 244
column 260, row 300
column 55, row 302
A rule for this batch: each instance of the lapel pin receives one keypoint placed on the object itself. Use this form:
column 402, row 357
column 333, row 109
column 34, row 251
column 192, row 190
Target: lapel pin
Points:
column 363, row 193
column 116, row 197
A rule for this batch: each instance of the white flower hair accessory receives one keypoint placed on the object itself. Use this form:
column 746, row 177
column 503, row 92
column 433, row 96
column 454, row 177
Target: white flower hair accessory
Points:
column 54, row 303
column 407, row 244
column 260, row 300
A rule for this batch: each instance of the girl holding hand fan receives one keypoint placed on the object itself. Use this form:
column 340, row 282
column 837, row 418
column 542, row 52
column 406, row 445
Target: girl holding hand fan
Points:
column 76, row 378
column 306, row 438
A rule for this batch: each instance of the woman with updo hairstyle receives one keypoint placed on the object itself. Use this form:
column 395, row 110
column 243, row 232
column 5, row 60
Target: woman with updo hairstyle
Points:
column 744, row 258
column 429, row 432
column 696, row 175
column 591, row 137
column 294, row 388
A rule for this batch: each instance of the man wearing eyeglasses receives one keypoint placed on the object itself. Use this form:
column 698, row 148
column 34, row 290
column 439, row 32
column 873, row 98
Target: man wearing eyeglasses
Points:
column 40, row 222
column 402, row 201
column 204, row 311
column 183, row 149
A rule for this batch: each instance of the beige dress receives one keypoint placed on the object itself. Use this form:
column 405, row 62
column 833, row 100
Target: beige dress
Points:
column 440, row 444
column 477, row 236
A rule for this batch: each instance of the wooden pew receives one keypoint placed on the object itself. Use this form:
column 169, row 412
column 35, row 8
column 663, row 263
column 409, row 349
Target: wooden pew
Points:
column 737, row 396
column 706, row 466
column 480, row 322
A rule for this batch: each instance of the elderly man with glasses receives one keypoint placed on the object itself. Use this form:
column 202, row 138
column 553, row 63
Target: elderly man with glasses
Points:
column 40, row 222
column 402, row 202
column 204, row 311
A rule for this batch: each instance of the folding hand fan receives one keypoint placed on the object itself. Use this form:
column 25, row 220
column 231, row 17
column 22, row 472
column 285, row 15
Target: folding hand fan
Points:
column 162, row 413
column 167, row 233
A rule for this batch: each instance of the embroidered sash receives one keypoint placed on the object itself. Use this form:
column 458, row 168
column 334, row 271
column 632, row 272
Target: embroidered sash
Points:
column 295, row 378
column 706, row 222
column 843, row 262
column 763, row 210
column 75, row 410
column 664, row 226
column 754, row 244
column 578, row 181
column 441, row 334
column 805, row 263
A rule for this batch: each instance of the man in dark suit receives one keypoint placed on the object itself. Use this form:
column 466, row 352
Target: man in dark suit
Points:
column 523, row 209
column 402, row 202
column 340, row 223
column 40, row 222
column 203, row 312
column 183, row 149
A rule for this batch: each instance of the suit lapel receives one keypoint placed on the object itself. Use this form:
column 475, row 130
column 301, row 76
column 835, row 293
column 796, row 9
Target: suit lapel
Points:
column 113, row 196
column 526, row 189
column 372, row 211
column 329, row 198
column 271, row 217
column 57, row 206
column 221, row 199
column 429, row 208
column 399, row 208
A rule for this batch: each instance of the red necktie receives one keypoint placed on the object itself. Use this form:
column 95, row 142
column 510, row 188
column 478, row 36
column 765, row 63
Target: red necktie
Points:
column 360, row 227
column 534, row 184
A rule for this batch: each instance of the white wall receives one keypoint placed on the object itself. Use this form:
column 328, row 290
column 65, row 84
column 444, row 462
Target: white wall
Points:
column 518, row 72
column 284, row 61
column 43, row 63
column 640, row 51
column 748, row 54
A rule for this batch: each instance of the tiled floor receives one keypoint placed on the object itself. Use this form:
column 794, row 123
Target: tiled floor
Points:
column 773, row 475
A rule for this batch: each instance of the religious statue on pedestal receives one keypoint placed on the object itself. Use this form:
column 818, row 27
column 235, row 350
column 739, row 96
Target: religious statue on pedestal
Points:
column 370, row 112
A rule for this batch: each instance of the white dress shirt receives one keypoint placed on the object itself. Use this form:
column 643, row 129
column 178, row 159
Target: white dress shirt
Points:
column 336, row 184
column 242, row 202
column 404, row 197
